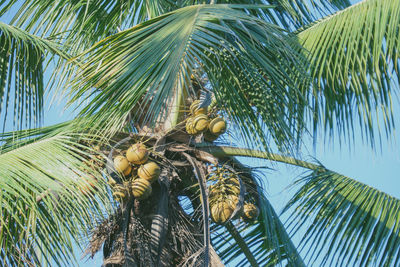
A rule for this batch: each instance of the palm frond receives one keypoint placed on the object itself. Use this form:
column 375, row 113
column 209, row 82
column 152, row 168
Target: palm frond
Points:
column 276, row 113
column 354, row 58
column 21, row 74
column 47, row 198
column 139, row 70
column 84, row 22
column 83, row 17
column 352, row 223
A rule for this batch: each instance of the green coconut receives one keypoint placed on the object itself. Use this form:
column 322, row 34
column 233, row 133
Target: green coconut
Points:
column 137, row 154
column 149, row 171
column 217, row 126
column 121, row 164
column 141, row 188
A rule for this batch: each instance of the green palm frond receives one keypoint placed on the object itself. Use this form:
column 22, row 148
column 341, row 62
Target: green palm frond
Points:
column 139, row 71
column 297, row 13
column 88, row 16
column 84, row 22
column 47, row 203
column 21, row 74
column 267, row 240
column 354, row 58
column 351, row 223
column 275, row 112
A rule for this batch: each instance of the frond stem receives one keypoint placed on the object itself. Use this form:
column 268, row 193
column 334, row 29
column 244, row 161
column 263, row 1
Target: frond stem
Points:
column 241, row 243
column 227, row 151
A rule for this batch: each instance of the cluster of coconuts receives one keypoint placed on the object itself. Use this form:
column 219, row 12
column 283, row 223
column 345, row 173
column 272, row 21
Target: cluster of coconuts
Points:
column 250, row 211
column 147, row 173
column 199, row 123
column 224, row 197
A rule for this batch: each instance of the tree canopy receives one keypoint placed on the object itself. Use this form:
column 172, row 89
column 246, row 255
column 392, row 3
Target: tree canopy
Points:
column 274, row 71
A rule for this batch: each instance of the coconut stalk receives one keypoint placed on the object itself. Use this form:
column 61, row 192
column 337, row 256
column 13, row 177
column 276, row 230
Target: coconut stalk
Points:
column 227, row 151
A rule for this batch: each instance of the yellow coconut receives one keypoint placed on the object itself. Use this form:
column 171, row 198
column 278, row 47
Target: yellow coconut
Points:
column 195, row 110
column 217, row 126
column 128, row 171
column 250, row 211
column 190, row 126
column 200, row 123
column 232, row 200
column 141, row 188
column 221, row 212
column 233, row 189
column 214, row 194
column 137, row 154
column 119, row 196
column 121, row 163
column 232, row 181
column 209, row 137
column 149, row 171
column 120, row 192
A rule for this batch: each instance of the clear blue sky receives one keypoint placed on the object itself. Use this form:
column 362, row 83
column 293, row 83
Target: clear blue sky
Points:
column 379, row 169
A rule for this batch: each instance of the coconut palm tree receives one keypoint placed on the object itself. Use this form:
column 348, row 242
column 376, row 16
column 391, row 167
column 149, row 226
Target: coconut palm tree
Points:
column 159, row 81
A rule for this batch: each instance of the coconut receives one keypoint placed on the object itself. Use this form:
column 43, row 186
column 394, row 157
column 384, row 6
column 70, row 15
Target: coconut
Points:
column 209, row 137
column 141, row 188
column 232, row 180
column 128, row 171
column 190, row 126
column 232, row 200
column 217, row 126
column 149, row 171
column 200, row 123
column 120, row 192
column 221, row 212
column 121, row 163
column 250, row 211
column 233, row 189
column 119, row 196
column 195, row 110
column 137, row 154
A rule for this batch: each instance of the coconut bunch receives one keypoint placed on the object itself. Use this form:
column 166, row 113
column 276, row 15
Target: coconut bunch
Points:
column 223, row 195
column 250, row 212
column 199, row 122
column 139, row 173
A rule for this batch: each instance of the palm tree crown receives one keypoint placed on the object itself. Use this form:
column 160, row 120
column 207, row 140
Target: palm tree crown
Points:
column 168, row 94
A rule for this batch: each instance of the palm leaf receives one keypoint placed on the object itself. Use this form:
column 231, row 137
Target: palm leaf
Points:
column 354, row 58
column 153, row 60
column 275, row 113
column 43, row 214
column 78, row 17
column 84, row 22
column 267, row 240
column 21, row 74
column 352, row 223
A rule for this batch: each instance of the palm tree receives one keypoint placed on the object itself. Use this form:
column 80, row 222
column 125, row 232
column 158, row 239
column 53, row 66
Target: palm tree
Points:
column 271, row 70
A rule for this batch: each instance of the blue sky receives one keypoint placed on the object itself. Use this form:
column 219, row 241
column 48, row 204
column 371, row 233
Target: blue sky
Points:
column 378, row 168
